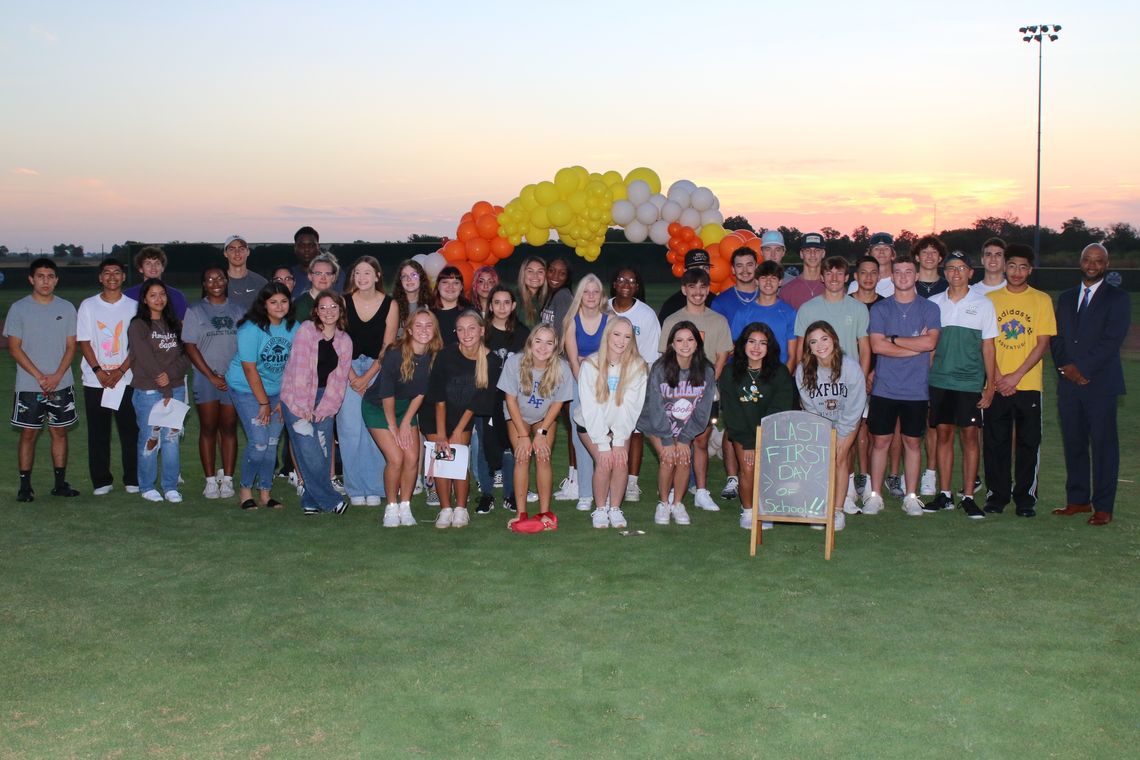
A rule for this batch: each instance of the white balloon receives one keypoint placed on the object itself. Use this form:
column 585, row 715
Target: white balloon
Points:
column 434, row 264
column 684, row 184
column 679, row 195
column 623, row 212
column 690, row 217
column 702, row 199
column 638, row 192
column 636, row 232
column 716, row 202
column 659, row 232
column 671, row 211
column 657, row 199
column 420, row 258
column 712, row 216
column 647, row 213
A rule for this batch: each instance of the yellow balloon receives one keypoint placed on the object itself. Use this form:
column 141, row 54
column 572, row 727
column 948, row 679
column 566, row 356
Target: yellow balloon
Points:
column 539, row 218
column 537, row 235
column 546, row 193
column 647, row 175
column 526, row 196
column 712, row 233
column 596, row 177
column 596, row 189
column 578, row 201
column 515, row 239
column 566, row 180
column 581, row 175
column 559, row 213
column 619, row 192
column 612, row 178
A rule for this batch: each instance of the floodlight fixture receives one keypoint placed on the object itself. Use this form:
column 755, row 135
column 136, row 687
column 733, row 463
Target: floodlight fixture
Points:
column 1031, row 34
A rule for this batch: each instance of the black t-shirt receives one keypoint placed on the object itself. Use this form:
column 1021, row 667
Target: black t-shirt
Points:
column 367, row 337
column 447, row 319
column 502, row 343
column 452, row 381
column 390, row 383
column 326, row 361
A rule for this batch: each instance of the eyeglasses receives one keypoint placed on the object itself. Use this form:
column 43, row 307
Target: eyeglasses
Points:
column 626, row 281
column 957, row 269
column 321, row 274
column 328, row 307
column 411, row 277
column 215, row 279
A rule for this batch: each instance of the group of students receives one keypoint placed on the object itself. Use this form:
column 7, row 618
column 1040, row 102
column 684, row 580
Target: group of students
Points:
column 346, row 372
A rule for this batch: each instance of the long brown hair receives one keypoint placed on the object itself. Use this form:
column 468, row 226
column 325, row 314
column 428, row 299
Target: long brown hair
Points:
column 350, row 284
column 532, row 304
column 423, row 298
column 810, row 361
column 407, row 349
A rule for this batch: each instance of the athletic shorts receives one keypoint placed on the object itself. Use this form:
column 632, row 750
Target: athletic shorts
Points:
column 205, row 391
column 958, row 408
column 885, row 412
column 375, row 418
column 31, row 408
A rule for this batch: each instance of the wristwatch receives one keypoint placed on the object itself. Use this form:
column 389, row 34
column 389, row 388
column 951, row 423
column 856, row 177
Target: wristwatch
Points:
column 542, row 431
column 96, row 369
column 893, row 340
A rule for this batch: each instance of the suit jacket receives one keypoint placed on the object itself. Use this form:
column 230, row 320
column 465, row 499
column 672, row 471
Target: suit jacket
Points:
column 1093, row 340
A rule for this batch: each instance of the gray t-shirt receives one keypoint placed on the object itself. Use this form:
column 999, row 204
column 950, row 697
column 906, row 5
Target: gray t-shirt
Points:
column 532, row 405
column 213, row 329
column 848, row 317
column 244, row 290
column 43, row 329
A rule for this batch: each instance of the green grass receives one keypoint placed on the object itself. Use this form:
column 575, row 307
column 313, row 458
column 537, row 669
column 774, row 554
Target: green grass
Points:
column 198, row 630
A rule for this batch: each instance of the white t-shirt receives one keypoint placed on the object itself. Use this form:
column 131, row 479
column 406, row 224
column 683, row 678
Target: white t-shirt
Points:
column 646, row 329
column 105, row 326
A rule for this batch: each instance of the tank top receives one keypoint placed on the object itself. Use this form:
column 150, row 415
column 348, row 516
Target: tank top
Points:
column 367, row 337
column 588, row 344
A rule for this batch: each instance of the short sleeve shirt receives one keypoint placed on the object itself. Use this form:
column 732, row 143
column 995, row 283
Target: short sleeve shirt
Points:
column 712, row 326
column 390, row 382
column 1021, row 318
column 848, row 317
column 267, row 350
column 243, row 290
column 212, row 328
column 780, row 317
column 958, row 363
column 104, row 325
column 531, row 404
column 43, row 329
column 903, row 378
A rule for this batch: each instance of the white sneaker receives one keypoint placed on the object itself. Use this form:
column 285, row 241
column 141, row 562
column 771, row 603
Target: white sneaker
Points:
column 173, row 496
column 661, row 514
column 731, row 488
column 680, row 516
column 851, row 493
column 444, row 519
column 840, row 521
column 600, row 518
column 531, row 497
column 584, row 505
column 407, row 519
column 704, row 500
column 102, row 490
column 358, row 501
column 632, row 492
column 391, row 516
column 912, row 506
column 927, row 485
column 131, row 489
column 746, row 519
column 670, row 495
column 152, row 495
column 225, row 485
column 211, row 490
column 849, row 505
column 419, row 487
column 767, row 525
column 617, row 519
column 338, row 486
column 567, row 490
column 872, row 503
column 373, row 501
column 460, row 518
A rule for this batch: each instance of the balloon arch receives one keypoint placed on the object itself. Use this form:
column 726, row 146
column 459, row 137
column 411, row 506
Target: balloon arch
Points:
column 581, row 205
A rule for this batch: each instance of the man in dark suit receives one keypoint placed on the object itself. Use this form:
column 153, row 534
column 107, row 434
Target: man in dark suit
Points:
column 1092, row 322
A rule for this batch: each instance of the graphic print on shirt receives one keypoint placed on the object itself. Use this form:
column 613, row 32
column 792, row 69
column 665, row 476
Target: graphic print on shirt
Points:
column 275, row 353
column 680, row 403
column 110, row 338
column 535, row 400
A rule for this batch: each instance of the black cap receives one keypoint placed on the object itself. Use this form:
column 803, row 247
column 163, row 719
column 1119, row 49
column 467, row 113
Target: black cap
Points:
column 960, row 256
column 813, row 240
column 698, row 257
column 881, row 238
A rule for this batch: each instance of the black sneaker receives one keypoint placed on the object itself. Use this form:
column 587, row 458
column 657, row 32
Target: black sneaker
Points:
column 341, row 508
column 63, row 489
column 970, row 507
column 310, row 511
column 26, row 494
column 1026, row 512
column 993, row 509
column 938, row 503
column 977, row 484
column 509, row 504
column 486, row 504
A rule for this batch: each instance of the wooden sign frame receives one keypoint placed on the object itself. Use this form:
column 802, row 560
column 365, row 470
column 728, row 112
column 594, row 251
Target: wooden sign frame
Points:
column 828, row 520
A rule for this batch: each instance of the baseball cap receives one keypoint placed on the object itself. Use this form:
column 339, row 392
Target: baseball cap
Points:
column 881, row 238
column 771, row 237
column 231, row 239
column 960, row 256
column 813, row 240
column 697, row 257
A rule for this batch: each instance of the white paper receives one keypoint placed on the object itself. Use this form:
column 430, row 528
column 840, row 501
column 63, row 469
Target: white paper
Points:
column 170, row 415
column 113, row 397
column 452, row 469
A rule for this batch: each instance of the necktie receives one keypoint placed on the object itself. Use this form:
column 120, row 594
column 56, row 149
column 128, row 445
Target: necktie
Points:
column 1084, row 301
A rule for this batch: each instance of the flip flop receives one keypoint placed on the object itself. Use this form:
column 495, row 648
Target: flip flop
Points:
column 273, row 504
column 249, row 504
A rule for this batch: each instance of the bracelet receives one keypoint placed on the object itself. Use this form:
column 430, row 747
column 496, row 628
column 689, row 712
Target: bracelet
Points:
column 96, row 369
column 263, row 403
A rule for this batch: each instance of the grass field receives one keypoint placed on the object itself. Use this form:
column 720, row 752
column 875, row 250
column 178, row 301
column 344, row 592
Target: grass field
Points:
column 198, row 630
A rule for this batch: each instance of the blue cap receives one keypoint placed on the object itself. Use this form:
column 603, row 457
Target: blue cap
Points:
column 881, row 238
column 772, row 237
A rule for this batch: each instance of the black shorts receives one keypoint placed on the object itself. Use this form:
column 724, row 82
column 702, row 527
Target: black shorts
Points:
column 30, row 409
column 958, row 408
column 885, row 412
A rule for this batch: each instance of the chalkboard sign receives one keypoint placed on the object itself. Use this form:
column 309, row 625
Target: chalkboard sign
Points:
column 795, row 453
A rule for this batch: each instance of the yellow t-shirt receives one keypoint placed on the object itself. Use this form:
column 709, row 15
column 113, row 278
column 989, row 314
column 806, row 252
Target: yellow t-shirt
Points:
column 1022, row 318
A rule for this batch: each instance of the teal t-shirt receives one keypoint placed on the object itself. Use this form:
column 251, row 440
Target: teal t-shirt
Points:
column 268, row 350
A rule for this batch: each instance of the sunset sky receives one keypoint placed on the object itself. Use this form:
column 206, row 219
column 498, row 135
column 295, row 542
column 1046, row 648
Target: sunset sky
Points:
column 375, row 120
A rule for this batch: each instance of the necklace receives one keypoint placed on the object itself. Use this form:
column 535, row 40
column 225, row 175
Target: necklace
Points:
column 744, row 300
column 754, row 393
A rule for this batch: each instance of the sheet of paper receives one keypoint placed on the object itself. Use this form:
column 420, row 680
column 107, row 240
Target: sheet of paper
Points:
column 170, row 415
column 113, row 397
column 453, row 469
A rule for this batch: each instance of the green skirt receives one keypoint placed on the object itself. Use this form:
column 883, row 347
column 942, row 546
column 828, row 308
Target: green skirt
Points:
column 375, row 418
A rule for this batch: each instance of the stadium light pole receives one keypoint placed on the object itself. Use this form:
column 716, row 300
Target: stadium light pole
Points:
column 1039, row 33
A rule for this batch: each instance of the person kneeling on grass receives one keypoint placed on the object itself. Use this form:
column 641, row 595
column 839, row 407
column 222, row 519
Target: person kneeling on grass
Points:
column 611, row 388
column 832, row 385
column 536, row 383
column 755, row 385
column 391, row 409
column 677, row 411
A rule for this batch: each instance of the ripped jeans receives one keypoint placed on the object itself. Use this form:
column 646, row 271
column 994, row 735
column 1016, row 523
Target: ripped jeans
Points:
column 260, row 440
column 314, row 458
column 157, row 443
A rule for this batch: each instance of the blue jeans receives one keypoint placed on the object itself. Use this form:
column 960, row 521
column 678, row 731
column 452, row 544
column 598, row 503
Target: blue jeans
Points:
column 363, row 462
column 314, row 459
column 153, row 441
column 585, row 461
column 260, row 440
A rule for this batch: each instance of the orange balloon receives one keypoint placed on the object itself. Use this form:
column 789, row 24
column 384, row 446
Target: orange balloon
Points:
column 675, row 244
column 688, row 233
column 501, row 247
column 730, row 243
column 478, row 249
column 467, row 231
column 678, row 270
column 671, row 257
column 745, row 235
column 467, row 270
column 713, row 250
column 454, row 251
column 498, row 210
column 480, row 208
column 487, row 225
column 467, row 217
column 754, row 244
column 675, row 229
column 719, row 269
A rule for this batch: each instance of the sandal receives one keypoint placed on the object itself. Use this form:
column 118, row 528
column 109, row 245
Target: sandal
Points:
column 249, row 504
column 273, row 504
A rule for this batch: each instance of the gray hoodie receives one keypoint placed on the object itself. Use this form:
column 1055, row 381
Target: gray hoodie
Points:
column 842, row 403
column 680, row 413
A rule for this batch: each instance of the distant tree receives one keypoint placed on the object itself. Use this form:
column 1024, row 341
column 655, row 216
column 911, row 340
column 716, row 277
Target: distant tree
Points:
column 905, row 240
column 63, row 250
column 3, row 250
column 792, row 237
column 423, row 239
column 615, row 235
column 1122, row 237
column 830, row 233
column 1003, row 226
column 358, row 242
column 738, row 223
column 860, row 235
